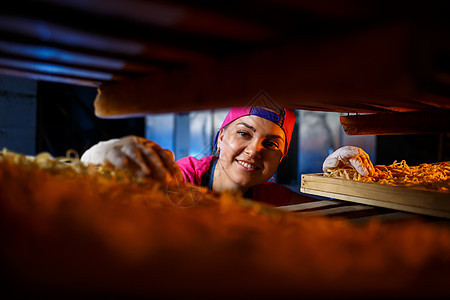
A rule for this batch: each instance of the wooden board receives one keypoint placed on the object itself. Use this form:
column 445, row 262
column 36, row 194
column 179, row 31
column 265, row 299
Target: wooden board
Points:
column 418, row 122
column 400, row 198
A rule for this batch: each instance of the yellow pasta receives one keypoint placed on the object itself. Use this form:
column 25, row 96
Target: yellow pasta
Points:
column 69, row 165
column 435, row 176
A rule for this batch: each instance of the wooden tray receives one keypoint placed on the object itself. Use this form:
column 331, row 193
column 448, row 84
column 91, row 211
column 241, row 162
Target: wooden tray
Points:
column 400, row 198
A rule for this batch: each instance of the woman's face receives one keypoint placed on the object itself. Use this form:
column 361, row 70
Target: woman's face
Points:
column 251, row 149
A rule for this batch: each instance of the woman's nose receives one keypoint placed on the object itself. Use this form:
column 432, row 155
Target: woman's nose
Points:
column 253, row 149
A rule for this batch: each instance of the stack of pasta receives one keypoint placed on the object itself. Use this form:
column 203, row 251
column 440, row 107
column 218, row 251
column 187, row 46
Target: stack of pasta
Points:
column 435, row 177
column 70, row 229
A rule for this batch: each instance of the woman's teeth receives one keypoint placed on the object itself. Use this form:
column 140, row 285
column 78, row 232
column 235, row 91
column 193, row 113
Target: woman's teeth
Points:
column 247, row 165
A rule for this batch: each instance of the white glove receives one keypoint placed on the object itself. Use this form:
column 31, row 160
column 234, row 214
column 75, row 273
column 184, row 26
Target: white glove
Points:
column 141, row 156
column 349, row 156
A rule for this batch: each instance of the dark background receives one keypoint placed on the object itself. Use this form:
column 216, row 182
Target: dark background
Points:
column 66, row 120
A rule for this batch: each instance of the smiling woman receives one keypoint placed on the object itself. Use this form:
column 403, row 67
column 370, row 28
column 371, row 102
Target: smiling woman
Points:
column 251, row 143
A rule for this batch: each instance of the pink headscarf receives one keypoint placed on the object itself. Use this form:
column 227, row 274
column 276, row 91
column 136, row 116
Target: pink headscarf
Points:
column 286, row 120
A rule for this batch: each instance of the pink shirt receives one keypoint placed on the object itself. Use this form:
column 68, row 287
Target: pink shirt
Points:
column 197, row 171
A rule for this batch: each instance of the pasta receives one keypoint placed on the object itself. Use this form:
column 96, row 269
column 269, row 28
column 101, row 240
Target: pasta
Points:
column 435, row 176
column 91, row 231
column 69, row 165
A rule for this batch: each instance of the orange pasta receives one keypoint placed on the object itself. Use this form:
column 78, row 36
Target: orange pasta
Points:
column 69, row 229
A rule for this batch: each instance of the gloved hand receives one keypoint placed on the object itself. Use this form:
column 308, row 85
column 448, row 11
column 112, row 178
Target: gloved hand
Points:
column 349, row 156
column 141, row 156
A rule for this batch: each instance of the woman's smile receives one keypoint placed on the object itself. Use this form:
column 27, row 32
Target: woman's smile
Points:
column 247, row 165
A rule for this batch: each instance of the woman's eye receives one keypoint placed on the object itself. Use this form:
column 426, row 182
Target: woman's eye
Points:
column 243, row 134
column 271, row 144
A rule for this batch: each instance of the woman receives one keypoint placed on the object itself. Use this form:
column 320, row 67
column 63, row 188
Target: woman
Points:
column 251, row 143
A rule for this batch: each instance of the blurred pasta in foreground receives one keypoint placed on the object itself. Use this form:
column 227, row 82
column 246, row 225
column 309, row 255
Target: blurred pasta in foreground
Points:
column 68, row 228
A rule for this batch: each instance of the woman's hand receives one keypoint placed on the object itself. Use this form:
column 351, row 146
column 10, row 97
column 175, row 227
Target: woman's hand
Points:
column 350, row 156
column 141, row 156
